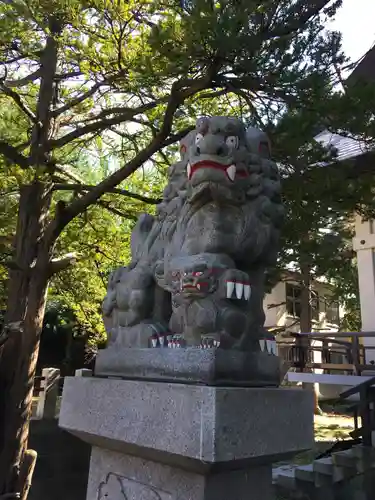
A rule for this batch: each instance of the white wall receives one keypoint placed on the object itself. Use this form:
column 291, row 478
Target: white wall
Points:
column 277, row 316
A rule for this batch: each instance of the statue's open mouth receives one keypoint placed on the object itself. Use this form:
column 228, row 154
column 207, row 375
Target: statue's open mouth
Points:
column 229, row 170
column 189, row 287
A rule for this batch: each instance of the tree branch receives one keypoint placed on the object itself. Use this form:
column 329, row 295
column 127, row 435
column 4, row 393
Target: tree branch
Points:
column 248, row 101
column 88, row 129
column 64, row 76
column 272, row 306
column 77, row 100
column 79, row 205
column 85, row 187
column 63, row 170
column 101, row 122
column 115, row 211
column 12, row 155
column 18, row 100
column 298, row 18
column 25, row 80
column 61, row 263
column 177, row 137
column 217, row 93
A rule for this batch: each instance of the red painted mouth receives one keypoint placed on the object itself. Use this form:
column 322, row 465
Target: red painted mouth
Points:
column 229, row 170
column 199, row 287
column 208, row 164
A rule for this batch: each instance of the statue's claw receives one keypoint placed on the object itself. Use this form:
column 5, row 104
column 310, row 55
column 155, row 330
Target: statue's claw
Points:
column 237, row 285
column 268, row 345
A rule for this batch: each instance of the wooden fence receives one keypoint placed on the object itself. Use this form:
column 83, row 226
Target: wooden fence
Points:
column 300, row 352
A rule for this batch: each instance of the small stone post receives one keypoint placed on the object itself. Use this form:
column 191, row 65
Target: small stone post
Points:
column 48, row 397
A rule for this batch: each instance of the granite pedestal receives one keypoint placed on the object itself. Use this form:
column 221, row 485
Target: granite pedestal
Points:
column 192, row 366
column 169, row 441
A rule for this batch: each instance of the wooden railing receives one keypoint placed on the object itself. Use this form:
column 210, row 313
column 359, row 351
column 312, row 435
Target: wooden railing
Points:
column 300, row 352
column 365, row 409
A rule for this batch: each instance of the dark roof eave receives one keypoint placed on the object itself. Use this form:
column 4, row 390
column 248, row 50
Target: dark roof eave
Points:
column 365, row 69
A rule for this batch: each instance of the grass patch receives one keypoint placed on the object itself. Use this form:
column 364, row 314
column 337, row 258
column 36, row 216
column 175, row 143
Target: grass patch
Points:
column 329, row 430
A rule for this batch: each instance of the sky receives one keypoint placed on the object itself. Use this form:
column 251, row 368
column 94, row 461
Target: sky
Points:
column 356, row 21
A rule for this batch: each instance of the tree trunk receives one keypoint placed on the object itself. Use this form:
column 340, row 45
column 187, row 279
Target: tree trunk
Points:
column 28, row 282
column 306, row 325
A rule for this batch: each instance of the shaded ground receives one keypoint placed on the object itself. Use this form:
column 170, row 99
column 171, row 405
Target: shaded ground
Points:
column 61, row 471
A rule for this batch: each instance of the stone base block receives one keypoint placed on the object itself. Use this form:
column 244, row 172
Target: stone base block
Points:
column 114, row 476
column 179, row 441
column 193, row 366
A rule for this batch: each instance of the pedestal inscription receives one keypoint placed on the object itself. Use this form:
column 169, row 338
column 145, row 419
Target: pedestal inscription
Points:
column 116, row 487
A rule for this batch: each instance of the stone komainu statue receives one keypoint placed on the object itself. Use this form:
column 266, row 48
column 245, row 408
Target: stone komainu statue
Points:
column 198, row 267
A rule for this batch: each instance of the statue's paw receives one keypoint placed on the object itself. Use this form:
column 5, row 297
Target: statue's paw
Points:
column 236, row 285
column 210, row 341
column 159, row 335
column 217, row 340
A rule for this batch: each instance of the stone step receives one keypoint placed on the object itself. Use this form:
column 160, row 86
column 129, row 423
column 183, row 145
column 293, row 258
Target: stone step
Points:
column 328, row 472
column 345, row 459
column 365, row 458
column 285, row 478
column 324, row 466
column 324, row 473
column 364, row 452
column 305, row 473
column 359, row 458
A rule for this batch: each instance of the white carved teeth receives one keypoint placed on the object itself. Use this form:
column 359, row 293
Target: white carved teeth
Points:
column 161, row 340
column 230, row 288
column 154, row 341
column 243, row 290
column 175, row 343
column 188, row 170
column 239, row 290
column 231, row 172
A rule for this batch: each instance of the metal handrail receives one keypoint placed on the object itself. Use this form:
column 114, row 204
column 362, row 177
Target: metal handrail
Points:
column 334, row 334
